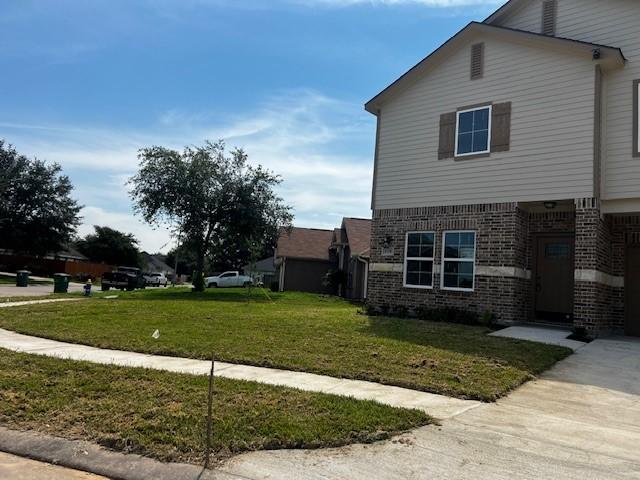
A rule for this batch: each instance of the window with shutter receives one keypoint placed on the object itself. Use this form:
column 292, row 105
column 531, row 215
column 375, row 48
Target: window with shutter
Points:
column 477, row 61
column 474, row 132
column 549, row 9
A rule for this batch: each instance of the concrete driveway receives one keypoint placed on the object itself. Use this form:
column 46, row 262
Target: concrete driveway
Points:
column 580, row 421
column 34, row 290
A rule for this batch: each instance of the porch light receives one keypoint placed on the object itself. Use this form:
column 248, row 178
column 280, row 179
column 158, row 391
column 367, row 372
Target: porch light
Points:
column 550, row 205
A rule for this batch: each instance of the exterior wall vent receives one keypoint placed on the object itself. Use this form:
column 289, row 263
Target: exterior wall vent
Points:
column 549, row 13
column 477, row 61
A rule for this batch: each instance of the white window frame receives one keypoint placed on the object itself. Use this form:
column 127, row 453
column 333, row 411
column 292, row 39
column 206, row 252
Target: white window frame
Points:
column 475, row 109
column 423, row 259
column 468, row 260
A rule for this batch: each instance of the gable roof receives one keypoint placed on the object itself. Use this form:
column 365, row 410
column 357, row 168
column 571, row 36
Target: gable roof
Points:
column 308, row 243
column 358, row 232
column 155, row 263
column 609, row 56
column 505, row 9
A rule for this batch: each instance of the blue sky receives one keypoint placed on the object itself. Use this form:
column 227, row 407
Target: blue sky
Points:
column 88, row 83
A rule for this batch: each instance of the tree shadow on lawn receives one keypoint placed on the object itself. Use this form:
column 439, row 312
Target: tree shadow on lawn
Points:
column 531, row 357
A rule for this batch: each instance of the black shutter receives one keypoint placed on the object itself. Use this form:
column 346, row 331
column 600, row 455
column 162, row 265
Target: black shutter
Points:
column 549, row 9
column 447, row 145
column 501, row 127
column 477, row 61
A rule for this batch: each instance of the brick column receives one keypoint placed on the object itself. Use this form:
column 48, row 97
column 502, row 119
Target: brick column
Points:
column 592, row 295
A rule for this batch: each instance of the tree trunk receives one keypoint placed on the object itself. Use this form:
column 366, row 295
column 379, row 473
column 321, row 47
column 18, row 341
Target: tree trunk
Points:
column 198, row 280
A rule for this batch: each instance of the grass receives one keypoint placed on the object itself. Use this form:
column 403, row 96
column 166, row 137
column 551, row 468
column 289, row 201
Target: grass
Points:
column 161, row 414
column 295, row 331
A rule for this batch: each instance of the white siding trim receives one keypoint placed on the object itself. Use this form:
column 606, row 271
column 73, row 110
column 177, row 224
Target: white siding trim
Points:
column 386, row 267
column 596, row 276
column 515, row 272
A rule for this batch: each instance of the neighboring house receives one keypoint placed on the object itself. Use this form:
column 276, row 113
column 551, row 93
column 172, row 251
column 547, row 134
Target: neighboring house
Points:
column 68, row 261
column 155, row 263
column 304, row 256
column 507, row 170
column 263, row 271
column 303, row 259
column 351, row 243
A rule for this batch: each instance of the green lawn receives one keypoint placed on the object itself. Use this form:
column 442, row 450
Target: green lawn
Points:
column 162, row 414
column 295, row 331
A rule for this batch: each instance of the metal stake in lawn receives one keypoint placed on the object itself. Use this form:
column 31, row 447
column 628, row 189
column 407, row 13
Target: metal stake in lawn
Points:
column 209, row 415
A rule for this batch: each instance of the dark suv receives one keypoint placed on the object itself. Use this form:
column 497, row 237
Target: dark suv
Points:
column 124, row 278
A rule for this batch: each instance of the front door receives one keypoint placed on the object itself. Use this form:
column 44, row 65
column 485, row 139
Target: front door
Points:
column 632, row 292
column 554, row 278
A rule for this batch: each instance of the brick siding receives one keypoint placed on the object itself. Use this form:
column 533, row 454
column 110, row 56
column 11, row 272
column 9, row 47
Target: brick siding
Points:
column 505, row 237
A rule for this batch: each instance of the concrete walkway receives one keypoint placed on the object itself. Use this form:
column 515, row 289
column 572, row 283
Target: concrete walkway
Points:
column 580, row 421
column 542, row 334
column 438, row 406
column 19, row 468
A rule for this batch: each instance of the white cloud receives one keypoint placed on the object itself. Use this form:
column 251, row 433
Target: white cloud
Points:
column 150, row 240
column 322, row 147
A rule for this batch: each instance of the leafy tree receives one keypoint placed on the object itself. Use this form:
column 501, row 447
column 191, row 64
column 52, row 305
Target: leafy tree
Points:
column 218, row 203
column 37, row 213
column 110, row 246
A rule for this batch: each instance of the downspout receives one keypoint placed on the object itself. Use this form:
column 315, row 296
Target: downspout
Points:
column 281, row 279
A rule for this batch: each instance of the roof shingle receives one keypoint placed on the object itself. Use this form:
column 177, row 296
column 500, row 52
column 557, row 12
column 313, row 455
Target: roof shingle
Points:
column 311, row 243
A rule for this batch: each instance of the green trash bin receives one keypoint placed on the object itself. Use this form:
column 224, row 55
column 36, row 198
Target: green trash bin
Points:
column 61, row 282
column 22, row 278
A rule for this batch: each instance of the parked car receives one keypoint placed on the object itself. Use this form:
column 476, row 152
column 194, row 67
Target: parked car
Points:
column 123, row 278
column 228, row 279
column 156, row 279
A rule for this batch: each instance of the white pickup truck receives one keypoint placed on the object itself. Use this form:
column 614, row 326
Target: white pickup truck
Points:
column 228, row 279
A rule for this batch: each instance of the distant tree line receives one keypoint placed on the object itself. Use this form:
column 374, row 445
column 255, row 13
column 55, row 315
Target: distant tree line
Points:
column 223, row 210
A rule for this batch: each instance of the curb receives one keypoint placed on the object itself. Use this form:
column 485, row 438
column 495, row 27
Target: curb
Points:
column 89, row 457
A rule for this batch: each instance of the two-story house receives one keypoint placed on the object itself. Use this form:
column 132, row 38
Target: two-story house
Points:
column 507, row 169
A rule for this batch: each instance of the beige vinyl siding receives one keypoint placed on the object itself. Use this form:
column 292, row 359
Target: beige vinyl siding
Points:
column 615, row 23
column 551, row 131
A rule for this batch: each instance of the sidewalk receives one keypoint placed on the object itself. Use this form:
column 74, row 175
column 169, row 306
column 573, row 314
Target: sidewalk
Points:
column 437, row 406
column 21, row 303
column 19, row 468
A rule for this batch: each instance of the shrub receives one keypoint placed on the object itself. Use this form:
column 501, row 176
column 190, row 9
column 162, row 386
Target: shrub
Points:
column 447, row 314
column 400, row 311
column 385, row 309
column 368, row 309
column 488, row 319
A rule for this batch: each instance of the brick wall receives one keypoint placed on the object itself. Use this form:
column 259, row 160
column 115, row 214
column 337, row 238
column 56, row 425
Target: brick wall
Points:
column 594, row 301
column 505, row 236
column 501, row 242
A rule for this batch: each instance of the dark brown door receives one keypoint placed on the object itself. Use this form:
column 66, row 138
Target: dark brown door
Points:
column 554, row 278
column 632, row 292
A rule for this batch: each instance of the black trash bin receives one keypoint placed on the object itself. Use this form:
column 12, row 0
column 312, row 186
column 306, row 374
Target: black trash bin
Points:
column 61, row 282
column 22, row 278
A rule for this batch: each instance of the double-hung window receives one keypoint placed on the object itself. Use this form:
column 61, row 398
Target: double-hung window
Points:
column 418, row 260
column 458, row 260
column 473, row 131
